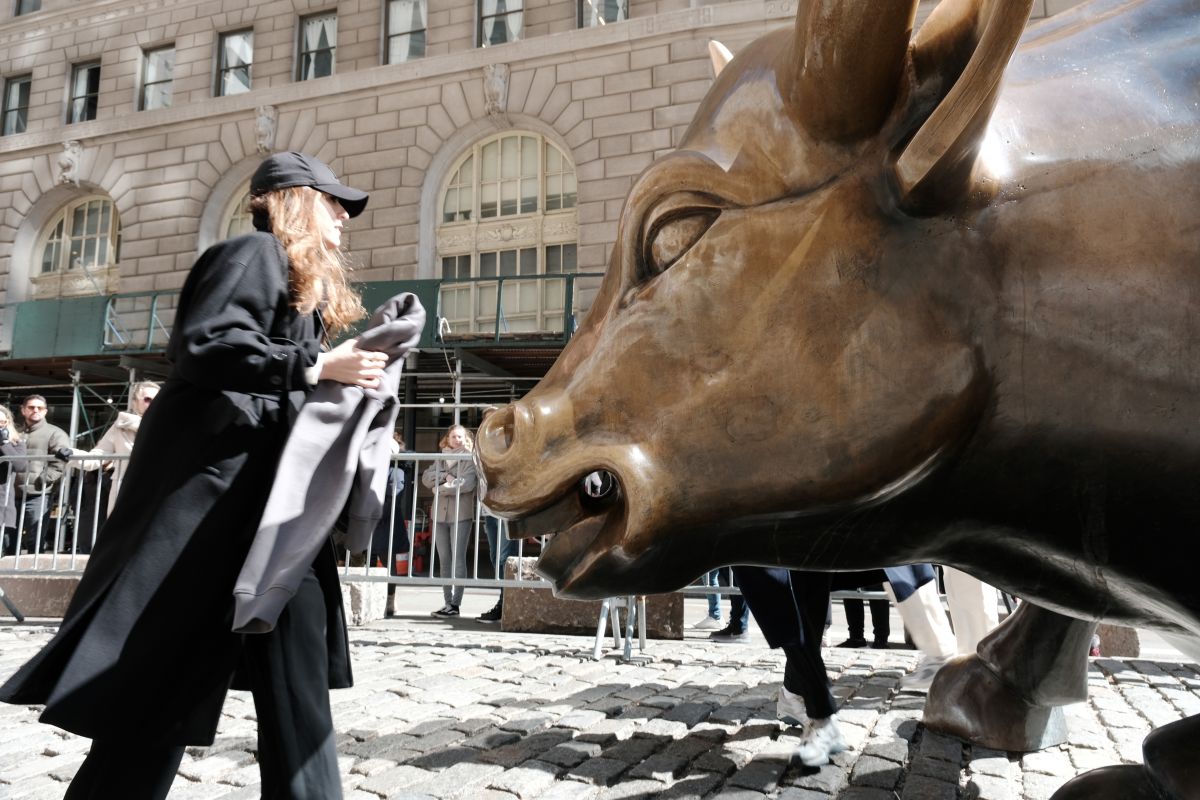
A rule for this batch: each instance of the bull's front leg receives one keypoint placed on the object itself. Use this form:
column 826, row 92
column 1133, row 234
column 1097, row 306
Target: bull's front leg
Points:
column 1009, row 694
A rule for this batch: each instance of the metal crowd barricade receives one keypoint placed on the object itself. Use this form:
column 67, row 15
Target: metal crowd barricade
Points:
column 56, row 542
column 64, row 521
column 419, row 565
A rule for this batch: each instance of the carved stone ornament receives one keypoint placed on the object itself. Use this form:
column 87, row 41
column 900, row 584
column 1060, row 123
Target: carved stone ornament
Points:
column 265, row 124
column 495, row 90
column 68, row 162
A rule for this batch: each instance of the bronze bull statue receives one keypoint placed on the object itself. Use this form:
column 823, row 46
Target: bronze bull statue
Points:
column 900, row 298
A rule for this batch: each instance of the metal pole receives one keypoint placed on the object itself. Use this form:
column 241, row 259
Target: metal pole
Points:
column 457, row 390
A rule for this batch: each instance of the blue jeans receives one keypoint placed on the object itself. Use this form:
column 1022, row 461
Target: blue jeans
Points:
column 714, row 600
column 498, row 549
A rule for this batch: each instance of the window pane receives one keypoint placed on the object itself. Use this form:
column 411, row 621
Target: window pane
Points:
column 528, row 261
column 568, row 252
column 553, row 258
column 508, row 262
column 487, row 205
column 235, row 81
column 490, row 161
column 508, row 198
column 77, row 221
column 487, row 265
column 529, row 195
column 509, row 168
column 450, row 207
column 529, row 157
column 89, row 253
column 160, row 65
column 466, row 201
column 50, row 256
column 16, row 104
column 237, row 49
column 85, row 92
column 92, row 217
column 568, row 190
column 318, row 43
column 406, row 30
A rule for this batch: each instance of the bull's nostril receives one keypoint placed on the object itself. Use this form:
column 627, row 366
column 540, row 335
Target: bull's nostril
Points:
column 496, row 433
column 599, row 483
column 598, row 490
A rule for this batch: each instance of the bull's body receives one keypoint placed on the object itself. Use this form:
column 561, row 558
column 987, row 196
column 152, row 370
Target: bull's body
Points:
column 958, row 329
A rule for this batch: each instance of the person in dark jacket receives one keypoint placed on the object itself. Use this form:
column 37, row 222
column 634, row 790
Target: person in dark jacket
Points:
column 145, row 653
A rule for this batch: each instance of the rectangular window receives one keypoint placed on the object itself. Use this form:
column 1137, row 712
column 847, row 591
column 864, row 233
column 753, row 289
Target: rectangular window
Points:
column 85, row 92
column 235, row 57
column 16, row 104
column 318, row 43
column 602, row 12
column 560, row 258
column 27, row 7
column 456, row 267
column 405, row 30
column 500, row 21
column 158, row 69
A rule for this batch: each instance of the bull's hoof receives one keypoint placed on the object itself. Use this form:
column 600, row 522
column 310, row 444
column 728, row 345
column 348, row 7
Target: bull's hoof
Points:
column 1110, row 783
column 970, row 701
column 1171, row 771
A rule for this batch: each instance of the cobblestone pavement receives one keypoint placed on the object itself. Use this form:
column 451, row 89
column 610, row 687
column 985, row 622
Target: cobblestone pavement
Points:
column 463, row 710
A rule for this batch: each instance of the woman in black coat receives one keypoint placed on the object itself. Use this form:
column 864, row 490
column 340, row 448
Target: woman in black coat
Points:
column 145, row 654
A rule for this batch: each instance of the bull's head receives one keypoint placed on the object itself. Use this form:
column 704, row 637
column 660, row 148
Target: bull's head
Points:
column 771, row 337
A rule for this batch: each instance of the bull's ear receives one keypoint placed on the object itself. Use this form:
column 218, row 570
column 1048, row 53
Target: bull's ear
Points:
column 720, row 56
column 958, row 56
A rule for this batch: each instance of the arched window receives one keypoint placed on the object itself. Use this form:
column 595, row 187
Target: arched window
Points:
column 507, row 225
column 237, row 218
column 79, row 251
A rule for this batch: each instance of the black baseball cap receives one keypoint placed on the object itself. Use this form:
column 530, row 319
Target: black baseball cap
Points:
column 282, row 170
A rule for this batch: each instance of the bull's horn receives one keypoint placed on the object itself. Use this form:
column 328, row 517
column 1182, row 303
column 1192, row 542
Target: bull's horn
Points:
column 847, row 61
column 968, row 42
column 720, row 56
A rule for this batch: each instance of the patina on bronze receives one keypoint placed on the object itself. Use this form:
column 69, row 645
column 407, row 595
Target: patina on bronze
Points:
column 902, row 298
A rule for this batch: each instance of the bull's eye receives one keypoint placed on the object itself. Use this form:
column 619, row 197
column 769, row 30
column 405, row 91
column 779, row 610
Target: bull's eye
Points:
column 673, row 228
column 674, row 237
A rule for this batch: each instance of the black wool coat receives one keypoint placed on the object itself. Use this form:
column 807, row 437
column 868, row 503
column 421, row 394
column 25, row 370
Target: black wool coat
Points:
column 146, row 648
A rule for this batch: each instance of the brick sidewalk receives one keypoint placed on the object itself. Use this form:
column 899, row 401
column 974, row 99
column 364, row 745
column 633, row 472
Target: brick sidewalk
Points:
column 466, row 711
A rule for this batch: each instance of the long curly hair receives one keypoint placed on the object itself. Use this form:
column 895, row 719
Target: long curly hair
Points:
column 318, row 275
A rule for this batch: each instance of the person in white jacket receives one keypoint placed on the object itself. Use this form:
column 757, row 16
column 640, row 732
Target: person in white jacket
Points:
column 118, row 439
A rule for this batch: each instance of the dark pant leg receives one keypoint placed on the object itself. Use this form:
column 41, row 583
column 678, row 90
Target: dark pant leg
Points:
column 804, row 663
column 288, row 671
column 131, row 770
column 881, row 625
column 855, row 617
column 790, row 608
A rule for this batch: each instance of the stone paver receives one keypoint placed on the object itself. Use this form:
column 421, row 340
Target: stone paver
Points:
column 448, row 711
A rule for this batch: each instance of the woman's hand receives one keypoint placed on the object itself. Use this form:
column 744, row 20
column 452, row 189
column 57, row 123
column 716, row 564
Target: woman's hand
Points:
column 347, row 364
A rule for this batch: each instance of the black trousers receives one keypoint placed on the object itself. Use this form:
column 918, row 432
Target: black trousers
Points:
column 790, row 608
column 288, row 672
column 855, row 618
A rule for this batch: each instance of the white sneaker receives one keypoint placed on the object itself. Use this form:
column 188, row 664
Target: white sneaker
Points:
column 790, row 708
column 920, row 678
column 820, row 740
column 707, row 624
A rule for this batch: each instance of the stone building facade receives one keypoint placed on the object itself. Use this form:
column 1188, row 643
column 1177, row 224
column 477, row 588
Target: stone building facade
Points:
column 159, row 180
